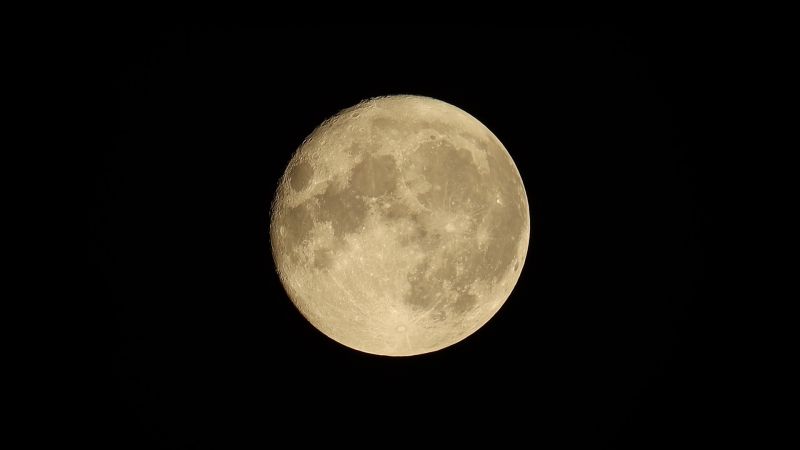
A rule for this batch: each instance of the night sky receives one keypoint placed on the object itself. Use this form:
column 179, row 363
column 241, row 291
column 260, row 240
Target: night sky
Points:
column 600, row 343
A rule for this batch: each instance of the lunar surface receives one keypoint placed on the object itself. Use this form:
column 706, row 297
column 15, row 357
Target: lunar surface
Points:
column 400, row 226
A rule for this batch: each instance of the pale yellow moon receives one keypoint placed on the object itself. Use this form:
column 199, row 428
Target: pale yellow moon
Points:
column 400, row 226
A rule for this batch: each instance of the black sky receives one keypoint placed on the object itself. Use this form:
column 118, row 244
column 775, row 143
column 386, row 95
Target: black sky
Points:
column 602, row 341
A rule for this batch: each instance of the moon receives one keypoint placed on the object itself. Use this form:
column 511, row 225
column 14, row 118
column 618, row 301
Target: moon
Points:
column 400, row 226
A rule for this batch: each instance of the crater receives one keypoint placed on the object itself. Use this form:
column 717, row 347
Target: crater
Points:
column 301, row 176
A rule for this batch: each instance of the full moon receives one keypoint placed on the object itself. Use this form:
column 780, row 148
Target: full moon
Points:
column 400, row 226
